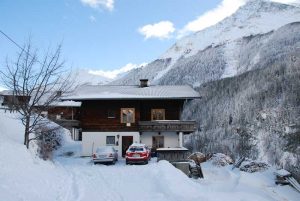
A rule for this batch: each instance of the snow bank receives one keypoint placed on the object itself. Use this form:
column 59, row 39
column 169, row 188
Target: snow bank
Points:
column 253, row 166
column 22, row 175
column 219, row 159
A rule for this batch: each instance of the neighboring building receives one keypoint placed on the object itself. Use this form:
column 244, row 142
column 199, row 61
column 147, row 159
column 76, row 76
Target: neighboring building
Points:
column 11, row 101
column 120, row 115
column 63, row 113
column 66, row 114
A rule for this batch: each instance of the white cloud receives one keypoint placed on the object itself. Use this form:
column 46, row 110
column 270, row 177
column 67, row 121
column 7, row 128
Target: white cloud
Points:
column 108, row 4
column 112, row 74
column 212, row 17
column 161, row 30
column 287, row 1
column 223, row 10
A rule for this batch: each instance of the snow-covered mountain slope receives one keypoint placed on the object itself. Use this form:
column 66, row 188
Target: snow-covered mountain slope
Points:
column 257, row 113
column 84, row 76
column 235, row 57
column 255, row 18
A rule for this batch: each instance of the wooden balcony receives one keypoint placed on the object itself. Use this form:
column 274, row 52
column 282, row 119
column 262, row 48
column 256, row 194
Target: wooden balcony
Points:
column 66, row 123
column 167, row 125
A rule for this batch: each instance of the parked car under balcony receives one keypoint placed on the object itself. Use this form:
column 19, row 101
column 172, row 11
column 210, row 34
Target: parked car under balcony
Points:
column 105, row 154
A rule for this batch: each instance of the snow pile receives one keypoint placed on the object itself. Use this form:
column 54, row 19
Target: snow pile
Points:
column 23, row 176
column 223, row 183
column 220, row 159
column 254, row 166
column 283, row 173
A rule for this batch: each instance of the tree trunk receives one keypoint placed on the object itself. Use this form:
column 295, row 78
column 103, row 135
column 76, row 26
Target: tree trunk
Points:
column 26, row 134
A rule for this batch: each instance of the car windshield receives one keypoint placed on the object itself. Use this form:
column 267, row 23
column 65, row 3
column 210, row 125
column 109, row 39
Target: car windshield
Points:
column 134, row 149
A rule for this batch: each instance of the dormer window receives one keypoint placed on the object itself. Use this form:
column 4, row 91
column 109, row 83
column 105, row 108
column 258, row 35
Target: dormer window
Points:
column 127, row 115
column 158, row 114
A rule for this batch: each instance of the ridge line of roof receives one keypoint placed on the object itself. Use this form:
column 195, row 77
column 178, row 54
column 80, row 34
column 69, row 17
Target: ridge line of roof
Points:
column 132, row 85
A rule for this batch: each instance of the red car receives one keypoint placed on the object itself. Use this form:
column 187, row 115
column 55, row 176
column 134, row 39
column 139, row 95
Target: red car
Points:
column 137, row 153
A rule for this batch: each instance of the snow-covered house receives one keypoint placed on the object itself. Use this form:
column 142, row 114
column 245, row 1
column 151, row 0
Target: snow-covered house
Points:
column 121, row 115
column 10, row 100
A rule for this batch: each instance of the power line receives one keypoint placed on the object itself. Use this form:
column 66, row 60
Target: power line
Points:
column 14, row 42
column 10, row 39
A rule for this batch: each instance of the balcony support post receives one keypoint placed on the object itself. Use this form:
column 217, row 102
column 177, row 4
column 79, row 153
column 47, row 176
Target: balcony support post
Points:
column 180, row 139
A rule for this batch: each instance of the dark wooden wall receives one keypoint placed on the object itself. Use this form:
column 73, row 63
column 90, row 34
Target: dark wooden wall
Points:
column 14, row 101
column 93, row 114
column 172, row 108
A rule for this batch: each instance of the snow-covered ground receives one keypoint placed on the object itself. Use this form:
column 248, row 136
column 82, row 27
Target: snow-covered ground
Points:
column 72, row 178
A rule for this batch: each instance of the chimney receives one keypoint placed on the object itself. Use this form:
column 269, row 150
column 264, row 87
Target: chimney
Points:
column 143, row 83
column 58, row 93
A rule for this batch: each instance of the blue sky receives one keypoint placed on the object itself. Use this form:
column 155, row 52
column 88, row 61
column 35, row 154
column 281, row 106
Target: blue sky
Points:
column 95, row 37
column 107, row 34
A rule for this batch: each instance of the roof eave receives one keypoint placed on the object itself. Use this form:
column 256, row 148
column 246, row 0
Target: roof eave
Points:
column 144, row 98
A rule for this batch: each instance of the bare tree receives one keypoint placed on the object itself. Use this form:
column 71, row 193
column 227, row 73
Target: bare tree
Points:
column 35, row 82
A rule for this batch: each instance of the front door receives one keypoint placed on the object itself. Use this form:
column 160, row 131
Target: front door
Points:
column 126, row 142
column 157, row 142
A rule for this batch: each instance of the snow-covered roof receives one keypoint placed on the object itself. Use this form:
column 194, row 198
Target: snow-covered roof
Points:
column 7, row 93
column 66, row 104
column 99, row 92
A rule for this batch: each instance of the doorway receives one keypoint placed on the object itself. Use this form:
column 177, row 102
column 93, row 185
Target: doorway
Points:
column 157, row 142
column 126, row 142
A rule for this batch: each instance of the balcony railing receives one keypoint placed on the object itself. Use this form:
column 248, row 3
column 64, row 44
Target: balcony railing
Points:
column 167, row 125
column 64, row 122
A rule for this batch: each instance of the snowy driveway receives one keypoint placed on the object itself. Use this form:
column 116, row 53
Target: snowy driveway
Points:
column 162, row 182
column 155, row 181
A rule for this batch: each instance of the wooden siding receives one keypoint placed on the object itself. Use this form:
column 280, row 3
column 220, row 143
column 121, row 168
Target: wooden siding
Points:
column 94, row 113
column 172, row 108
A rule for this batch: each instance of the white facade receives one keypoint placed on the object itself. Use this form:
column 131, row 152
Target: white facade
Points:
column 92, row 140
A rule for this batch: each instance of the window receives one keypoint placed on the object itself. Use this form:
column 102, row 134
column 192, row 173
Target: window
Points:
column 127, row 115
column 157, row 114
column 110, row 140
column 111, row 114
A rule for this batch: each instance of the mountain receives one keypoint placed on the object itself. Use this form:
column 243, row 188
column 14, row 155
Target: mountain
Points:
column 246, row 69
column 218, row 48
column 83, row 76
